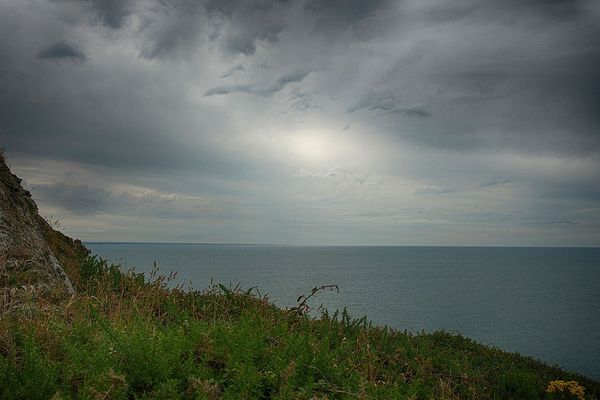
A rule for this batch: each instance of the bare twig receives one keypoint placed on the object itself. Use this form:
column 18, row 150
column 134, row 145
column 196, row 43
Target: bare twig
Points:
column 302, row 300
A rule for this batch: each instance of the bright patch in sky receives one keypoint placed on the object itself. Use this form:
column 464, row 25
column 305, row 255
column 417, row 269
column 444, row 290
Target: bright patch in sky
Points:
column 313, row 147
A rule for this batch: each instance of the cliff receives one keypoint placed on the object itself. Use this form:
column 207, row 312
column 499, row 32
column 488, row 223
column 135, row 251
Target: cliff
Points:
column 29, row 248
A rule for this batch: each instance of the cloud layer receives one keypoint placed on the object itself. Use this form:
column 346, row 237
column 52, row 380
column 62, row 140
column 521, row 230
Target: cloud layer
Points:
column 342, row 122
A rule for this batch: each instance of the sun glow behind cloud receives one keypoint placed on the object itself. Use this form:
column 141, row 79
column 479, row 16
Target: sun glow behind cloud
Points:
column 312, row 147
column 325, row 147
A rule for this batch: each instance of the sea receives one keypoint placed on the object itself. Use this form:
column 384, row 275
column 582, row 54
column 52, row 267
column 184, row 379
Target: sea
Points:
column 540, row 302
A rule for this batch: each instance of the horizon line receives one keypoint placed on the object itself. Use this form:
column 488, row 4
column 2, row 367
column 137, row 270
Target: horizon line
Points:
column 343, row 245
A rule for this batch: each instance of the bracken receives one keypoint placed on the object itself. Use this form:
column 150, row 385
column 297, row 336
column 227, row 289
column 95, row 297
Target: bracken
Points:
column 571, row 387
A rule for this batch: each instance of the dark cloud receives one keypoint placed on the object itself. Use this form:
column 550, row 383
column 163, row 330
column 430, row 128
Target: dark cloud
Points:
column 112, row 13
column 230, row 7
column 173, row 29
column 529, row 87
column 109, row 13
column 412, row 111
column 508, row 12
column 493, row 182
column 177, row 27
column 62, row 51
column 435, row 190
column 77, row 198
column 84, row 199
column 245, row 41
column 331, row 13
column 242, row 25
column 98, row 129
column 259, row 89
column 388, row 103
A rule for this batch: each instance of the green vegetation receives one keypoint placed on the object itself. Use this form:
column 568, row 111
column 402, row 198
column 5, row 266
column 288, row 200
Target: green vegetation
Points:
column 125, row 337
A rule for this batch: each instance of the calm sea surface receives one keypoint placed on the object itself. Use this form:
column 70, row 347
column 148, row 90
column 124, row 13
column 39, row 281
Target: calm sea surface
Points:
column 543, row 302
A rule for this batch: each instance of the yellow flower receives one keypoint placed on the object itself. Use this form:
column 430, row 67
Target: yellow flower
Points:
column 571, row 387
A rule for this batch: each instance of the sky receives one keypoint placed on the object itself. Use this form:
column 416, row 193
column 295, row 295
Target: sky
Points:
column 314, row 122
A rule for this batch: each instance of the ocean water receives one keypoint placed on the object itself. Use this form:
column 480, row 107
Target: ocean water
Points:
column 542, row 302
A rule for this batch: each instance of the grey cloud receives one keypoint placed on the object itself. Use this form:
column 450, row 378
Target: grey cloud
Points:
column 232, row 70
column 388, row 103
column 474, row 85
column 493, row 182
column 177, row 27
column 509, row 12
column 13, row 73
column 451, row 189
column 558, row 10
column 340, row 175
column 538, row 96
column 98, row 129
column 300, row 100
column 245, row 41
column 230, row 7
column 62, row 51
column 257, row 88
column 77, row 198
column 247, row 24
column 85, row 199
column 109, row 13
column 172, row 29
column 290, row 77
column 226, row 89
column 435, row 190
column 584, row 191
column 383, row 101
column 112, row 13
column 331, row 13
column 412, row 111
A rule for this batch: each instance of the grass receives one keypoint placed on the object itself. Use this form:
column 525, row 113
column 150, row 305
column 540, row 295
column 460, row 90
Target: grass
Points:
column 124, row 336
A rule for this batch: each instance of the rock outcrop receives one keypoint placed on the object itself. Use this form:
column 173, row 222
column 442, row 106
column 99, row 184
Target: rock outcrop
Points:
column 28, row 266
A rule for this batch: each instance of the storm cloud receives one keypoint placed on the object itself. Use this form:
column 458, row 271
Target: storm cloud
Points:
column 342, row 122
column 62, row 51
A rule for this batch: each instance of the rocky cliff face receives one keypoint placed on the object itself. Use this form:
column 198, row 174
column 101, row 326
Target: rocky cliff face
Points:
column 28, row 266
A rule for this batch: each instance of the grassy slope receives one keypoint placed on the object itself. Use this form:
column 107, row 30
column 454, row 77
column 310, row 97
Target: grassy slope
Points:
column 124, row 338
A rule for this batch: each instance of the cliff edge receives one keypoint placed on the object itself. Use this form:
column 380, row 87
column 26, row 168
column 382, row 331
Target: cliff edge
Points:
column 29, row 267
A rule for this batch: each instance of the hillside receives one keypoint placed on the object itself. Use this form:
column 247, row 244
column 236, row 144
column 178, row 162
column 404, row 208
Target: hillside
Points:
column 29, row 248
